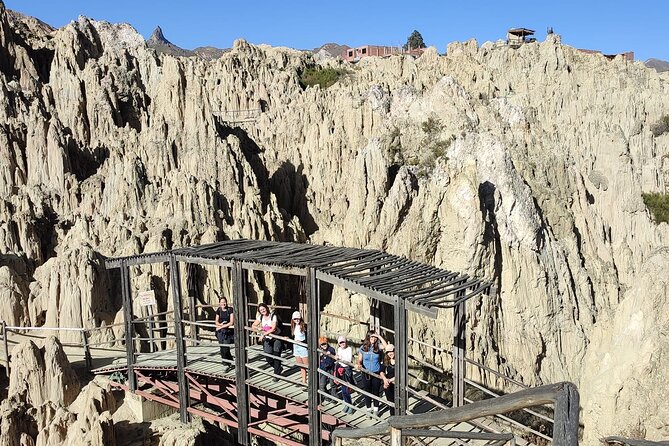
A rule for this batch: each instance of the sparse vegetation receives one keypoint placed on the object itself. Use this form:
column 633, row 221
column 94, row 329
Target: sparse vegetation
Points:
column 660, row 127
column 436, row 146
column 325, row 77
column 658, row 205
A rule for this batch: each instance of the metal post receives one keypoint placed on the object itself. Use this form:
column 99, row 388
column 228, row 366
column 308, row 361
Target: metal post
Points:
column 459, row 344
column 88, row 360
column 126, row 293
column 314, row 307
column 6, row 346
column 239, row 306
column 184, row 388
column 401, row 356
column 152, row 327
column 192, row 309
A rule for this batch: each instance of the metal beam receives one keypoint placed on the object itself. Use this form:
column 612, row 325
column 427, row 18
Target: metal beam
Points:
column 239, row 306
column 184, row 397
column 313, row 306
column 459, row 344
column 401, row 357
column 126, row 294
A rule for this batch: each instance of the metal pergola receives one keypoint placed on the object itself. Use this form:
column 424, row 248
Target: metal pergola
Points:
column 397, row 281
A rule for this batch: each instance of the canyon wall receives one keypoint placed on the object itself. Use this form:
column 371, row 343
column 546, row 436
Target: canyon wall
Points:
column 524, row 166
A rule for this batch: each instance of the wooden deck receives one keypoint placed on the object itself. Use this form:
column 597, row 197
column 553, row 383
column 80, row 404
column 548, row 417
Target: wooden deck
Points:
column 206, row 361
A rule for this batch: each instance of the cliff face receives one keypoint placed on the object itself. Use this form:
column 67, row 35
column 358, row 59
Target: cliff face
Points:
column 526, row 166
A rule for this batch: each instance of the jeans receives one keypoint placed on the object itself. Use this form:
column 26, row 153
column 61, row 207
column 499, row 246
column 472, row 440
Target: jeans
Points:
column 273, row 347
column 323, row 383
column 225, row 338
column 373, row 385
column 390, row 396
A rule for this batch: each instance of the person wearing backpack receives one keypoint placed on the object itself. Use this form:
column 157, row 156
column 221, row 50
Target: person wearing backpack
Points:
column 267, row 324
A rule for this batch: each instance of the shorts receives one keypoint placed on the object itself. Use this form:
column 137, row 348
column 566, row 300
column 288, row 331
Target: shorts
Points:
column 300, row 351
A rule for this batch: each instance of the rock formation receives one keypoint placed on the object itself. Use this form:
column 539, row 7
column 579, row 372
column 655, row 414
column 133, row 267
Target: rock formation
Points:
column 524, row 165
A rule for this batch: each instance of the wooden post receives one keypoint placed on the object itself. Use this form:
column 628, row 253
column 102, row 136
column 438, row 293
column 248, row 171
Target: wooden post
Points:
column 313, row 329
column 129, row 326
column 401, row 356
column 239, row 306
column 88, row 360
column 6, row 347
column 565, row 426
column 374, row 315
column 395, row 437
column 459, row 344
column 184, row 388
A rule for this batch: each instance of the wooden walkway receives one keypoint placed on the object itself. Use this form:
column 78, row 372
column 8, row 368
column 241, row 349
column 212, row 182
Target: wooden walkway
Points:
column 205, row 361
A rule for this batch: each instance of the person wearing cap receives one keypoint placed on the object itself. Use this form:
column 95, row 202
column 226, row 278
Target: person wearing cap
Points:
column 299, row 331
column 326, row 363
column 388, row 376
column 370, row 355
column 345, row 371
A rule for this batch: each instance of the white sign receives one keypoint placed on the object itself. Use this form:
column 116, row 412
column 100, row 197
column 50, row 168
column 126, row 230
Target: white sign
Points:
column 147, row 298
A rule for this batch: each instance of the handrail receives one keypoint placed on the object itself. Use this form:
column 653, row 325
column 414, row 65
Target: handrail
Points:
column 563, row 395
column 632, row 442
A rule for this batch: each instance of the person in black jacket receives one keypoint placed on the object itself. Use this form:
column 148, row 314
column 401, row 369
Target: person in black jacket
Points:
column 326, row 364
column 225, row 321
column 388, row 376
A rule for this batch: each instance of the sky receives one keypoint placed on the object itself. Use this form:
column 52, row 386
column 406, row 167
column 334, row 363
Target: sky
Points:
column 612, row 26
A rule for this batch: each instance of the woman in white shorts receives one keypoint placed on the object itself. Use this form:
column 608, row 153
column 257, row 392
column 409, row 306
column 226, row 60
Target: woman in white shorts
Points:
column 299, row 331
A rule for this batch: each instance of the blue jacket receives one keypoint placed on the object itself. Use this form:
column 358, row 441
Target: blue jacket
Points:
column 327, row 363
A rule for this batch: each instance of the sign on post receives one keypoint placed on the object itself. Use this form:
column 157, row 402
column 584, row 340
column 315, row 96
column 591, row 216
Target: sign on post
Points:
column 147, row 298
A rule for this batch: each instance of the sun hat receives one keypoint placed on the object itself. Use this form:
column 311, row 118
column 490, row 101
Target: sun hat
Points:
column 296, row 315
column 322, row 340
column 341, row 339
column 390, row 348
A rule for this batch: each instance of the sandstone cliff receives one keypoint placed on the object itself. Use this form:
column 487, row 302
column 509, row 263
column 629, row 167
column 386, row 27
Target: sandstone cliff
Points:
column 526, row 166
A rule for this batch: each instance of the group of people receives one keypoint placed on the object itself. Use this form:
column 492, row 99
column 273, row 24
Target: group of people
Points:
column 375, row 358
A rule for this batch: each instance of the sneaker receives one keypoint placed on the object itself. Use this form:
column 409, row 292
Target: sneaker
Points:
column 376, row 410
column 229, row 368
column 369, row 410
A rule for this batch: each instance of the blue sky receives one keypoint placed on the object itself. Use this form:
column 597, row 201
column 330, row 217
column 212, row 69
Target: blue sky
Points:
column 610, row 26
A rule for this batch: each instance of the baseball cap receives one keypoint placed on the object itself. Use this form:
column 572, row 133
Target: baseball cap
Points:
column 341, row 339
column 390, row 348
column 296, row 315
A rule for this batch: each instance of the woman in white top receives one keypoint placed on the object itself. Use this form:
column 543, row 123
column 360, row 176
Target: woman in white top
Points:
column 266, row 322
column 299, row 331
column 344, row 371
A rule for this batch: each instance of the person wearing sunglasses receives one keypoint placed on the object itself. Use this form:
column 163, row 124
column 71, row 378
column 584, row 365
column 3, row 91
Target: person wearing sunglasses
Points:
column 299, row 331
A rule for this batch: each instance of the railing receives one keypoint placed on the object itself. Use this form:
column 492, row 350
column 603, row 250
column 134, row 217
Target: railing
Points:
column 632, row 442
column 563, row 396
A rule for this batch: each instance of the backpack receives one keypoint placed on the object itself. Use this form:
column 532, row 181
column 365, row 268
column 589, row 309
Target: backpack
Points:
column 280, row 329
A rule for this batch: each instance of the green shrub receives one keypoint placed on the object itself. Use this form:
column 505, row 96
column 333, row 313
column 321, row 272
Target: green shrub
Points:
column 325, row 77
column 658, row 205
column 432, row 126
column 660, row 127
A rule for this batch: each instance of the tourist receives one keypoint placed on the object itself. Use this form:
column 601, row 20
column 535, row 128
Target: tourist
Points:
column 370, row 355
column 299, row 331
column 267, row 324
column 224, row 323
column 344, row 371
column 388, row 376
column 327, row 361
